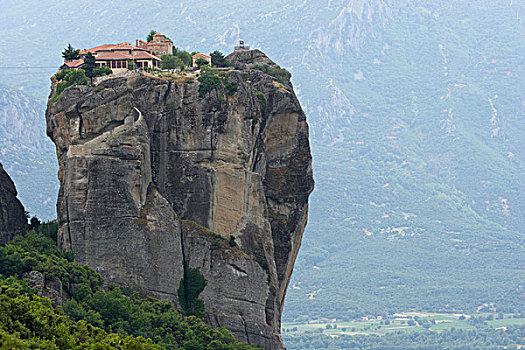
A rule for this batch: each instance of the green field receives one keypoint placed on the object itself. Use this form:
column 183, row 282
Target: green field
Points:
column 405, row 322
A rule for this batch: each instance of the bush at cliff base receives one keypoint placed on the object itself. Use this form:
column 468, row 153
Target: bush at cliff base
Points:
column 93, row 317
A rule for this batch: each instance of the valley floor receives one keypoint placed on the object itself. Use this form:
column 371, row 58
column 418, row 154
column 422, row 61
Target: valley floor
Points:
column 407, row 322
column 409, row 330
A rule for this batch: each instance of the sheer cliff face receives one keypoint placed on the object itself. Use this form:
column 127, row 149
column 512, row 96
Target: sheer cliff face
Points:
column 12, row 218
column 151, row 173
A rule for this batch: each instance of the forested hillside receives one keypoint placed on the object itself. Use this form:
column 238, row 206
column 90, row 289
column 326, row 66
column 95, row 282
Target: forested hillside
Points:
column 83, row 312
column 455, row 339
column 416, row 118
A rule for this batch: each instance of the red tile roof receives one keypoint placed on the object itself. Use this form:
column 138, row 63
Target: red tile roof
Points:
column 113, row 52
column 113, row 56
column 75, row 63
column 141, row 55
column 109, row 52
column 111, row 47
column 162, row 35
column 201, row 55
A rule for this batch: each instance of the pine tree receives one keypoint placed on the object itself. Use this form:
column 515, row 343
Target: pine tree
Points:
column 150, row 35
column 89, row 65
column 70, row 53
column 217, row 59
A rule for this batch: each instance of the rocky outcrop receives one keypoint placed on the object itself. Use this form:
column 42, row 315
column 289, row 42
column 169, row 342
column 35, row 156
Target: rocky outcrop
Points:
column 154, row 172
column 46, row 286
column 244, row 59
column 12, row 218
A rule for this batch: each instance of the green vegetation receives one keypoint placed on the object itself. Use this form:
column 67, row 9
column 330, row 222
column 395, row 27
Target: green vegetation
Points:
column 231, row 87
column 61, row 74
column 281, row 74
column 453, row 339
column 232, row 242
column 70, row 53
column 191, row 285
column 208, row 82
column 89, row 66
column 34, row 222
column 171, row 62
column 150, row 35
column 71, row 77
column 209, row 70
column 184, row 55
column 30, row 322
column 201, row 62
column 60, row 87
column 101, row 71
column 48, row 229
column 76, row 77
column 407, row 322
column 260, row 97
column 93, row 317
column 409, row 331
column 211, row 79
column 218, row 60
column 35, row 252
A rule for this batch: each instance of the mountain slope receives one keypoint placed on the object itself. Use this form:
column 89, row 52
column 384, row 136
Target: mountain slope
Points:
column 421, row 179
column 26, row 152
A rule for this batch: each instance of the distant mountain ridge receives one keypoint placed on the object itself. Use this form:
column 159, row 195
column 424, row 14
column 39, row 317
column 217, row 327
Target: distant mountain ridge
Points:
column 419, row 173
column 27, row 153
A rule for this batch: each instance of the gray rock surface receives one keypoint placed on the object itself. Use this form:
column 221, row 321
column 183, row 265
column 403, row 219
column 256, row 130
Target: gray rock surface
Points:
column 12, row 218
column 152, row 173
column 49, row 287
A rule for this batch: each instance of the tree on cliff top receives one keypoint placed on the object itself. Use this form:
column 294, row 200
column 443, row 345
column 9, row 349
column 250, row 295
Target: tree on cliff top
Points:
column 184, row 55
column 70, row 53
column 171, row 62
column 218, row 60
column 150, row 35
column 201, row 62
column 89, row 66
